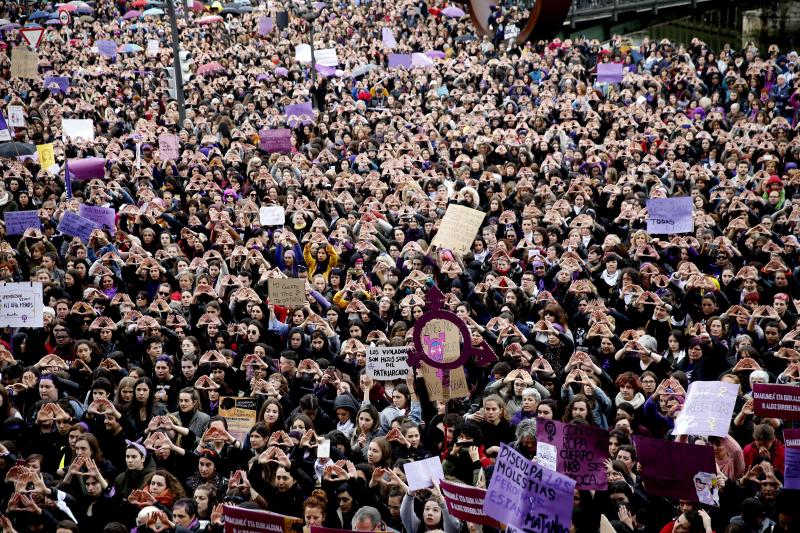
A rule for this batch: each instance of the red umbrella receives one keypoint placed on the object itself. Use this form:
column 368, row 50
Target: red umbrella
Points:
column 209, row 69
column 211, row 19
column 139, row 3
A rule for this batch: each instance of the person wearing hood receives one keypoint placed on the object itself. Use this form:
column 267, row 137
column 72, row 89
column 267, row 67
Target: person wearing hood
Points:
column 346, row 406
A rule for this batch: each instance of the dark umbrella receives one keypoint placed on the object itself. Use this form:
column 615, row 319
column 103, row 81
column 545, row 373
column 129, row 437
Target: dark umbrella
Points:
column 465, row 38
column 16, row 149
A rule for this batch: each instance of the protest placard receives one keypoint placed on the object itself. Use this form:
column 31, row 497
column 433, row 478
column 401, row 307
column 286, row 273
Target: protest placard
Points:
column 73, row 129
column 609, row 72
column 238, row 520
column 57, row 83
column 275, row 140
column 287, row 291
column 776, row 401
column 528, row 496
column 265, row 26
column 239, row 413
column 300, row 113
column 326, row 57
column 422, row 474
column 400, row 61
column 87, row 168
column 24, row 64
column 104, row 217
column 582, row 451
column 272, row 215
column 21, row 305
column 387, row 38
column 18, row 221
column 511, row 33
column 106, row 48
column 458, row 228
column 443, row 345
column 153, row 47
column 791, row 469
column 466, row 503
column 47, row 157
column 546, row 455
column 708, row 409
column 387, row 362
column 16, row 116
column 666, row 216
column 302, row 53
column 74, row 225
column 168, row 147
column 791, row 438
column 5, row 132
column 668, row 468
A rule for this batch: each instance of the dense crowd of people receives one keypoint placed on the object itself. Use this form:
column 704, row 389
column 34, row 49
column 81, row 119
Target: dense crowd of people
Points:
column 111, row 412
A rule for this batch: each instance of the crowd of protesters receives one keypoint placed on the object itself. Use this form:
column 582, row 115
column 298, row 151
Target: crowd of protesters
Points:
column 110, row 413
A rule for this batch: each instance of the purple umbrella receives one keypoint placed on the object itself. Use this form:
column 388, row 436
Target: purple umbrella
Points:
column 453, row 12
column 53, row 22
column 132, row 14
column 435, row 54
column 281, row 71
column 12, row 26
column 263, row 77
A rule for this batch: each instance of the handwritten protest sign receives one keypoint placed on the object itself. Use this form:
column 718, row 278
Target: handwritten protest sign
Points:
column 791, row 438
column 582, row 451
column 153, row 47
column 75, row 129
column 275, row 140
column 423, row 474
column 287, row 291
column 168, row 147
column 16, row 116
column 387, row 362
column 708, row 409
column 239, row 413
column 546, row 455
column 666, row 216
column 104, row 217
column 326, row 57
column 21, row 305
column 272, row 215
column 74, row 225
column 458, row 228
column 466, row 503
column 18, row 221
column 444, row 345
column 777, row 401
column 24, row 64
column 238, row 520
column 791, row 469
column 528, row 496
column 609, row 72
column 668, row 468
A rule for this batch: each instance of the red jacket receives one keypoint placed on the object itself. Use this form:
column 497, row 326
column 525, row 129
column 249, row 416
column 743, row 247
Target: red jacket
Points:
column 777, row 454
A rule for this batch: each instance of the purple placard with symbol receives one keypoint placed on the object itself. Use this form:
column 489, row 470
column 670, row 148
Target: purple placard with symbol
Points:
column 57, row 83
column 18, row 221
column 275, row 141
column 104, row 217
column 581, row 451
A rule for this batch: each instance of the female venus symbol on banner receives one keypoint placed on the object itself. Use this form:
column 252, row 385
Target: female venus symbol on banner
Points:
column 443, row 341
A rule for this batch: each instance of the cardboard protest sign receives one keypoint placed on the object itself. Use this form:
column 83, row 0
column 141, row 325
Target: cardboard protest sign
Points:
column 238, row 520
column 18, row 221
column 104, row 217
column 387, row 38
column 422, row 474
column 777, row 401
column 239, row 413
column 528, row 496
column 24, row 64
column 387, row 362
column 272, row 215
column 153, row 47
column 443, row 343
column 466, row 503
column 75, row 225
column 16, row 116
column 791, row 438
column 609, row 72
column 458, row 228
column 666, row 216
column 287, row 291
column 582, row 451
column 791, row 469
column 77, row 129
column 668, row 468
column 275, row 140
column 21, row 305
column 708, row 409
column 168, row 147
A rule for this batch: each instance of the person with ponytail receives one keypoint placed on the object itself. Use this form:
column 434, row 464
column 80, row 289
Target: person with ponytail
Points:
column 315, row 510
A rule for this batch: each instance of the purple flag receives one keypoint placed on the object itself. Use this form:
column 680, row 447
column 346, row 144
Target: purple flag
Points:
column 580, row 451
column 609, row 72
column 88, row 168
column 326, row 72
column 435, row 54
column 400, row 60
column 387, row 37
column 67, row 179
column 107, row 48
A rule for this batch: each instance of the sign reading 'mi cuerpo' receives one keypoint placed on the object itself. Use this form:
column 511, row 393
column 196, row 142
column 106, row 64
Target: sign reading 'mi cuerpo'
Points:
column 387, row 362
column 21, row 305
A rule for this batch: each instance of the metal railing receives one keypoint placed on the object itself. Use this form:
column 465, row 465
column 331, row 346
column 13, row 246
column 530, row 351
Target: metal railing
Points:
column 588, row 10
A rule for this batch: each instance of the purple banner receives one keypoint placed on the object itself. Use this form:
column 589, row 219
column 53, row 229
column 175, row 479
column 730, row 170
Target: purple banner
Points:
column 580, row 451
column 669, row 468
column 387, row 37
column 324, row 71
column 18, row 221
column 302, row 113
column 791, row 469
column 708, row 409
column 528, row 496
column 791, row 438
column 466, row 503
column 275, row 141
column 75, row 225
column 87, row 169
column 57, row 83
column 778, row 401
column 104, row 217
column 107, row 48
column 400, row 61
column 609, row 72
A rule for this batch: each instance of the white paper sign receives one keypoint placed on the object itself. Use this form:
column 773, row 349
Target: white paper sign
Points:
column 387, row 362
column 546, row 455
column 511, row 32
column 16, row 116
column 272, row 215
column 74, row 129
column 153, row 47
column 21, row 305
column 422, row 474
column 708, row 409
column 302, row 53
column 326, row 57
